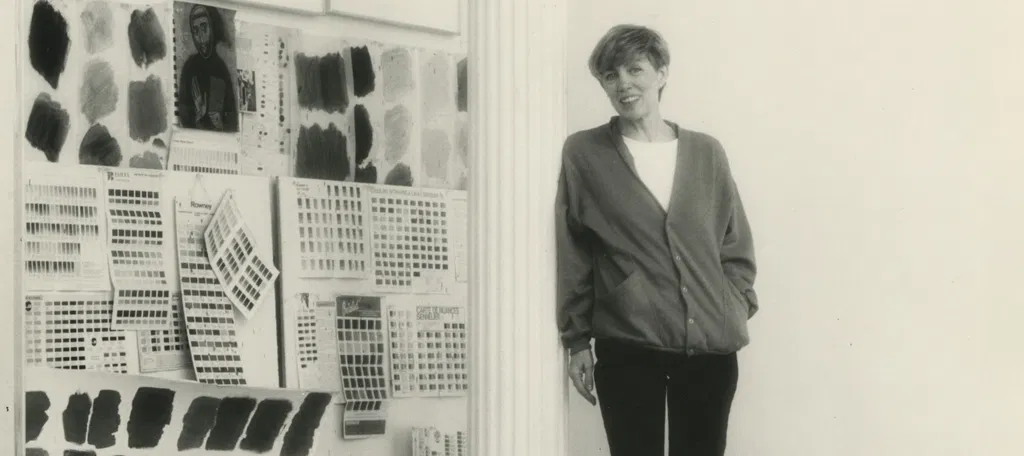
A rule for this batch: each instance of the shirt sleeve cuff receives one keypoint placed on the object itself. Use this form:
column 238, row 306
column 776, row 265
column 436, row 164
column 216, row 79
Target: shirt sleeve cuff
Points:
column 577, row 346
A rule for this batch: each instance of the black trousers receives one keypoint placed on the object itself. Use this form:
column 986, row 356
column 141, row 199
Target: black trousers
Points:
column 632, row 385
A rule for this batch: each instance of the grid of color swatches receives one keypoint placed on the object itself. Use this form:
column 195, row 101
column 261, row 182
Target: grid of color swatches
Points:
column 361, row 350
column 430, row 441
column 329, row 226
column 64, row 237
column 164, row 350
column 247, row 275
column 209, row 314
column 72, row 331
column 428, row 350
column 317, row 336
column 410, row 240
column 138, row 256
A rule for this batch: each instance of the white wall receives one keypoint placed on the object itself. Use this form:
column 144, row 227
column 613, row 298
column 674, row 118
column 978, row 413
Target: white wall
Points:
column 875, row 144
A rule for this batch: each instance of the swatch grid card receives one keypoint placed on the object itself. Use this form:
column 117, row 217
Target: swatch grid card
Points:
column 428, row 350
column 72, row 331
column 410, row 240
column 164, row 350
column 138, row 250
column 264, row 98
column 196, row 151
column 317, row 333
column 430, row 441
column 330, row 225
column 209, row 314
column 364, row 381
column 65, row 230
column 247, row 275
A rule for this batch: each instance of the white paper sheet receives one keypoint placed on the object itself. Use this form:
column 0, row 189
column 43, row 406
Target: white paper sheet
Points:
column 209, row 317
column 428, row 350
column 165, row 350
column 361, row 340
column 327, row 223
column 72, row 331
column 317, row 337
column 264, row 56
column 139, row 250
column 458, row 229
column 247, row 276
column 197, row 151
column 65, row 229
column 430, row 441
column 410, row 240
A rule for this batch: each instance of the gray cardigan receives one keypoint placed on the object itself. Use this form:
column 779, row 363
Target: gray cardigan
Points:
column 679, row 280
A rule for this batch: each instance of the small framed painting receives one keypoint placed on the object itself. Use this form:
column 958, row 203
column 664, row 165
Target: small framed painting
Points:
column 434, row 15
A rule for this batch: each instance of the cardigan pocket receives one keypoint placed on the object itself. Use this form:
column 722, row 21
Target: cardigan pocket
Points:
column 621, row 311
column 731, row 334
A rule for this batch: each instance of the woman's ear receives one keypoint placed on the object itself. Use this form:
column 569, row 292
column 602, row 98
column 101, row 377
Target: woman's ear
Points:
column 663, row 72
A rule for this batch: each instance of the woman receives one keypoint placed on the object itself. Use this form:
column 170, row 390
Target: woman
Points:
column 655, row 263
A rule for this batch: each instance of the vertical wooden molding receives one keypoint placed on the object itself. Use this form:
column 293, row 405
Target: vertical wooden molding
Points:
column 518, row 402
column 11, row 423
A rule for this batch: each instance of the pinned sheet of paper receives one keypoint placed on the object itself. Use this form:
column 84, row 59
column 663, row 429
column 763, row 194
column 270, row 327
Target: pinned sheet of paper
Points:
column 72, row 331
column 361, row 339
column 431, row 441
column 411, row 252
column 317, row 341
column 197, row 151
column 209, row 316
column 246, row 274
column 428, row 350
column 165, row 349
column 138, row 239
column 65, row 229
column 326, row 223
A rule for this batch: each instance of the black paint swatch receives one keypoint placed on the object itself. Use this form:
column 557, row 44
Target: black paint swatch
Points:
column 147, row 111
column 151, row 412
column 79, row 453
column 321, row 82
column 197, row 422
column 367, row 174
column 298, row 440
column 36, row 452
column 363, row 132
column 37, row 403
column 105, row 419
column 146, row 38
column 48, row 42
column 99, row 148
column 400, row 175
column 265, row 426
column 47, row 126
column 76, row 417
column 363, row 76
column 146, row 160
column 322, row 154
column 232, row 415
column 463, row 86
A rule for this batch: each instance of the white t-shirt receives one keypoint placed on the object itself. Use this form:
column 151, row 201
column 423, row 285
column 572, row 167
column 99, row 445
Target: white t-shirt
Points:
column 655, row 162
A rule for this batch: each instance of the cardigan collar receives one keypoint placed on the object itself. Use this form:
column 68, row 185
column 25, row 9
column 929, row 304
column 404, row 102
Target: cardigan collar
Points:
column 615, row 134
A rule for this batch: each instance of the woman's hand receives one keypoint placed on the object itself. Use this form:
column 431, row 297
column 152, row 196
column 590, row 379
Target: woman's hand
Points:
column 581, row 371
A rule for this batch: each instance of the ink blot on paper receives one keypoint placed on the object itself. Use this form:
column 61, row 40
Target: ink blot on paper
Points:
column 400, row 175
column 463, row 86
column 397, row 125
column 232, row 415
column 396, row 68
column 321, row 82
column 197, row 422
column 98, row 95
column 96, row 25
column 76, row 417
column 147, row 160
column 146, row 38
column 366, row 174
column 36, row 452
column 99, row 148
column 298, row 440
column 436, row 147
column 151, row 412
column 105, row 419
column 47, row 127
column 37, row 403
column 363, row 132
column 322, row 154
column 48, row 42
column 266, row 425
column 79, row 453
column 363, row 77
column 147, row 111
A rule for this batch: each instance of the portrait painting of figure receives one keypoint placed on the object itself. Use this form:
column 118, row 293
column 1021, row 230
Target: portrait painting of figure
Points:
column 206, row 68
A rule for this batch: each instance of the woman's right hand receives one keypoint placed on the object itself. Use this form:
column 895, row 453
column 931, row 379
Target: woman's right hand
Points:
column 581, row 371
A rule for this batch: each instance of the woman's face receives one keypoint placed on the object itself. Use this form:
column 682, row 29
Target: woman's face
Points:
column 633, row 87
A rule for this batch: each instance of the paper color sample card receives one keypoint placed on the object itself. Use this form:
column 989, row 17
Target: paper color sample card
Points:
column 428, row 350
column 328, row 220
column 72, row 331
column 265, row 98
column 317, row 334
column 458, row 226
column 197, row 151
column 410, row 240
column 246, row 275
column 65, row 229
column 209, row 314
column 364, row 381
column 432, row 442
column 138, row 250
column 165, row 350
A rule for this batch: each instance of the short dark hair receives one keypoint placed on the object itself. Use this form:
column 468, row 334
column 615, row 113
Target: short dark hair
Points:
column 624, row 42
column 218, row 33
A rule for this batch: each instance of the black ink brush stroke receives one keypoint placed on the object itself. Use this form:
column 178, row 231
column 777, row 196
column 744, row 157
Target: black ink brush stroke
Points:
column 48, row 42
column 197, row 422
column 232, row 415
column 151, row 412
column 363, row 76
column 47, row 126
column 298, row 440
column 76, row 417
column 105, row 419
column 400, row 175
column 363, row 132
column 37, row 403
column 322, row 153
column 99, row 148
column 146, row 38
column 320, row 81
column 266, row 425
